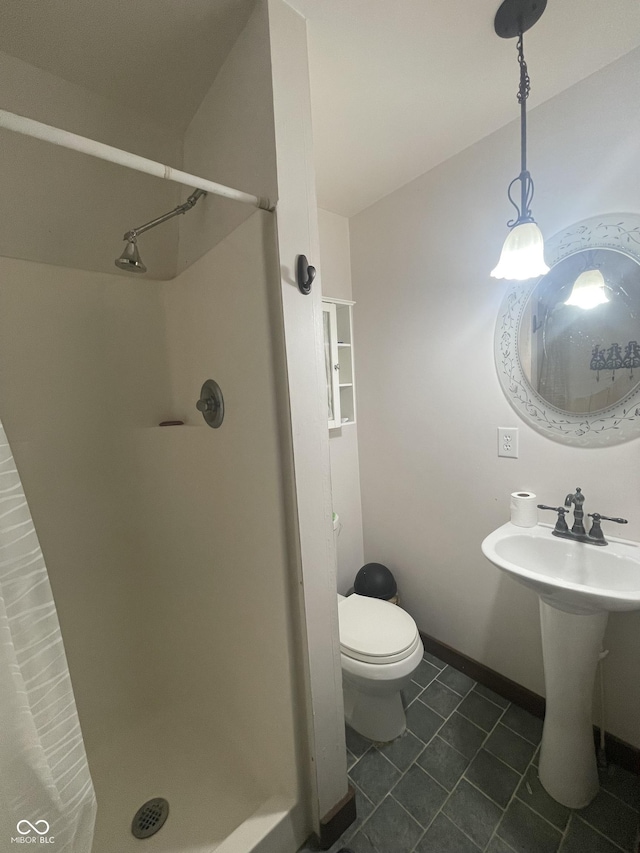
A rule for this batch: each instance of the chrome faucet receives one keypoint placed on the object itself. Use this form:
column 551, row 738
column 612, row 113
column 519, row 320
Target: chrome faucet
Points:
column 577, row 532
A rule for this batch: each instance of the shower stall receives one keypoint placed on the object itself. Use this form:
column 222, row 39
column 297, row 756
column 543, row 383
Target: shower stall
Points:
column 173, row 550
column 166, row 546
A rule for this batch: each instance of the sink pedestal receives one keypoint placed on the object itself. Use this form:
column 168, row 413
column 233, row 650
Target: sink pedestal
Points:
column 571, row 645
column 578, row 585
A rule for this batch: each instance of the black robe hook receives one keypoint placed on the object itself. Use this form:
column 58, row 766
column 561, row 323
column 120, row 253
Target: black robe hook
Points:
column 305, row 275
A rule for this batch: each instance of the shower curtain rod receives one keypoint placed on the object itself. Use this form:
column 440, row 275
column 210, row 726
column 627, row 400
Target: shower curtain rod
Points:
column 30, row 127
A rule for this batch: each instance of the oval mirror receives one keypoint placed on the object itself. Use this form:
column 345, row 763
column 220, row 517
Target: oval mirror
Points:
column 567, row 344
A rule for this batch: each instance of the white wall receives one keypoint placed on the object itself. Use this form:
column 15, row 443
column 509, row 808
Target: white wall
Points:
column 311, row 537
column 432, row 483
column 64, row 208
column 335, row 258
column 335, row 255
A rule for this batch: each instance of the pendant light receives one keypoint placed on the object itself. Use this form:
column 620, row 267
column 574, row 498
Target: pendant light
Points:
column 588, row 290
column 522, row 255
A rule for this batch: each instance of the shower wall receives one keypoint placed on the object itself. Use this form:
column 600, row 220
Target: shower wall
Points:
column 213, row 507
column 222, row 315
column 83, row 369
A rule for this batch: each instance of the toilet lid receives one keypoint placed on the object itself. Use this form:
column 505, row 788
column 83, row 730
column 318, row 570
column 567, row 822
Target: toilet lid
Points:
column 374, row 630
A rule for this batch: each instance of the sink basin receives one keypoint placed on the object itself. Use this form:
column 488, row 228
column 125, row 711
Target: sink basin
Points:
column 573, row 576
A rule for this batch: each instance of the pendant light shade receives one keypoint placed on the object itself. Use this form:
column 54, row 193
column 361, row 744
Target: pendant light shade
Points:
column 522, row 255
column 588, row 290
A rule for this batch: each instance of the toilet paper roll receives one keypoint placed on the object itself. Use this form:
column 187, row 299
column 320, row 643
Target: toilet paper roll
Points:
column 524, row 512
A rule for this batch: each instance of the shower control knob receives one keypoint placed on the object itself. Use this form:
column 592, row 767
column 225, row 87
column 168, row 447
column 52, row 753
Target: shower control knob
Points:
column 211, row 403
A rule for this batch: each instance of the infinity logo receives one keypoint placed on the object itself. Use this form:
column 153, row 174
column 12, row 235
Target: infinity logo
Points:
column 33, row 827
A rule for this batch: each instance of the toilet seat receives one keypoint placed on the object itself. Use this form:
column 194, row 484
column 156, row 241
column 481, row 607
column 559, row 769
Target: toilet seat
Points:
column 375, row 631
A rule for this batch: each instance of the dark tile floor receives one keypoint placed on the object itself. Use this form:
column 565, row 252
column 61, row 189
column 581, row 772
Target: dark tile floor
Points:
column 463, row 779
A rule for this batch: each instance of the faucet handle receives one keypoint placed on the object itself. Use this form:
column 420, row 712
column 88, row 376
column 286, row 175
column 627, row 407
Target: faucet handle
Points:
column 596, row 515
column 561, row 524
column 596, row 533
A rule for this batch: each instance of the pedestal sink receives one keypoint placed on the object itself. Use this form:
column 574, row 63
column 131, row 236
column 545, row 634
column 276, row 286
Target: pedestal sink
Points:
column 578, row 585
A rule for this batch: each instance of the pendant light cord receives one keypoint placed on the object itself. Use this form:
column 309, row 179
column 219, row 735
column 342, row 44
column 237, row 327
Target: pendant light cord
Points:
column 523, row 94
column 526, row 182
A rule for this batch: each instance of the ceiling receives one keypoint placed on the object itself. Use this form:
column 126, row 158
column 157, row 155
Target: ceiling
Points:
column 397, row 86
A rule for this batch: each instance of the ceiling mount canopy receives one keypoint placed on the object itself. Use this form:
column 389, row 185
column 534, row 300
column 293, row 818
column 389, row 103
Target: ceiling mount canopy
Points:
column 515, row 17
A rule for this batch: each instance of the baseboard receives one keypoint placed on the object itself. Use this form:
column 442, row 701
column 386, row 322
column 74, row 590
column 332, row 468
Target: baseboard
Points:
column 340, row 818
column 618, row 751
column 500, row 684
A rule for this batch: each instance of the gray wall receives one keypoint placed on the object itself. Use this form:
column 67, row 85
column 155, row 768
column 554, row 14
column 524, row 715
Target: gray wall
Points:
column 432, row 484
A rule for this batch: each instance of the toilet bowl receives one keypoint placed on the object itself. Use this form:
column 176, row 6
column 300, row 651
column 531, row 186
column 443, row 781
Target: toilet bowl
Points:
column 380, row 649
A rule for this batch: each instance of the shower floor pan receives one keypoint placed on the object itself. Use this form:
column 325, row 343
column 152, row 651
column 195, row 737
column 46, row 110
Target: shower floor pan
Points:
column 213, row 804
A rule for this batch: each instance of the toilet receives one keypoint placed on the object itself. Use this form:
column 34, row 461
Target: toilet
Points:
column 380, row 649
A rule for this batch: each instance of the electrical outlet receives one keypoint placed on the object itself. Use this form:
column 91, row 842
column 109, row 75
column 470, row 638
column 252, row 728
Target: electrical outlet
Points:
column 508, row 441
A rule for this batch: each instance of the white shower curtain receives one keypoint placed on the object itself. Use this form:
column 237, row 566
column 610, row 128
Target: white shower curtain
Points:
column 45, row 787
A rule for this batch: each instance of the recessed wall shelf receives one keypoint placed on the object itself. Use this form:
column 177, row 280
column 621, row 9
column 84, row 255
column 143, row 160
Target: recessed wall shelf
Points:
column 338, row 359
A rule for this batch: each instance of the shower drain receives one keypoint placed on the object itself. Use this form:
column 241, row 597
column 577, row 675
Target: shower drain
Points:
column 150, row 817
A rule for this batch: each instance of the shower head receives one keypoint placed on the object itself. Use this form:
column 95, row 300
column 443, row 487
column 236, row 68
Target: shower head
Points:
column 130, row 259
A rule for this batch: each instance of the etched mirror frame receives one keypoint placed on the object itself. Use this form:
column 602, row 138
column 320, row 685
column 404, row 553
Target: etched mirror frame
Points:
column 613, row 425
